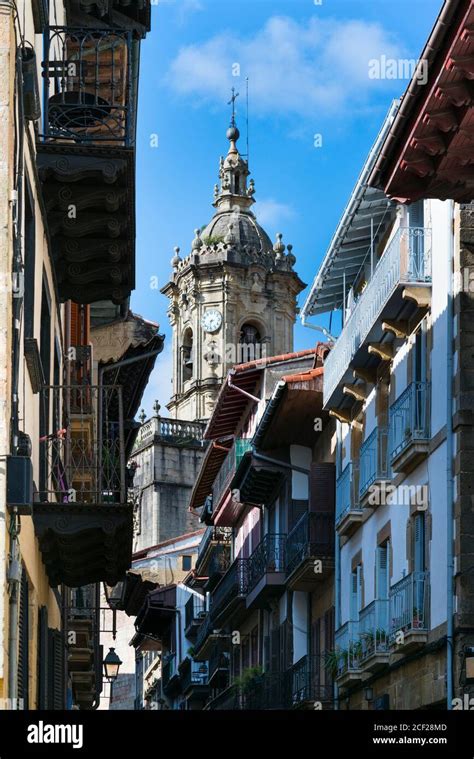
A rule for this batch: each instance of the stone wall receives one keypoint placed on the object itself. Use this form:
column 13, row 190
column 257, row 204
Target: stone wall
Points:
column 416, row 684
column 165, row 475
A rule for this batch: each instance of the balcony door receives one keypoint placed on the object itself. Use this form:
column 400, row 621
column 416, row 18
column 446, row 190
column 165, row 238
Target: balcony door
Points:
column 356, row 593
column 381, row 572
column 419, row 563
column 416, row 223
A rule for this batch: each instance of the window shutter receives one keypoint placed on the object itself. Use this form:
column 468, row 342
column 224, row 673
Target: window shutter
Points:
column 275, row 649
column 55, row 670
column 416, row 214
column 322, row 490
column 23, row 647
column 381, row 577
column 329, row 624
column 419, row 543
column 43, row 658
column 359, row 588
column 353, row 598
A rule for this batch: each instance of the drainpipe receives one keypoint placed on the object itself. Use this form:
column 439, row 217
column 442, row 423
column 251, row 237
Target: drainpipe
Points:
column 14, row 579
column 449, row 472
column 337, row 562
column 325, row 332
column 278, row 462
column 242, row 391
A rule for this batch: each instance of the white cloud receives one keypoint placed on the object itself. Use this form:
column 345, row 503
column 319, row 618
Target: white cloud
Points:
column 270, row 212
column 159, row 385
column 306, row 69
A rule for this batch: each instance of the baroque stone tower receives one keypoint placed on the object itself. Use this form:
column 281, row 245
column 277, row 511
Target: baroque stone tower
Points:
column 233, row 298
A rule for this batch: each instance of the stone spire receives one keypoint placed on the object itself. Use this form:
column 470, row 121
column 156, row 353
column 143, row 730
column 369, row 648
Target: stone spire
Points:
column 234, row 193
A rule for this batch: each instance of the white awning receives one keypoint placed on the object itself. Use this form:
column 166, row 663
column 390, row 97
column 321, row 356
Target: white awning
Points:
column 350, row 248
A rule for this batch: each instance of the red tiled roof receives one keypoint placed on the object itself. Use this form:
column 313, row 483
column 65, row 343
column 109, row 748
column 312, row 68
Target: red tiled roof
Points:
column 304, row 376
column 210, row 466
column 263, row 362
column 231, row 403
column 428, row 152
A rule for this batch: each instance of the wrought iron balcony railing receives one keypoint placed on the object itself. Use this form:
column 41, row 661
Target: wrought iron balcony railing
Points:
column 213, row 535
column 82, row 454
column 269, row 556
column 310, row 680
column 409, row 418
column 348, row 648
column 219, row 660
column 410, row 604
column 169, row 670
column 228, row 468
column 406, row 260
column 347, row 495
column 374, row 629
column 203, row 631
column 194, row 612
column 313, row 535
column 373, row 463
column 192, row 674
column 270, row 691
column 87, row 76
column 233, row 585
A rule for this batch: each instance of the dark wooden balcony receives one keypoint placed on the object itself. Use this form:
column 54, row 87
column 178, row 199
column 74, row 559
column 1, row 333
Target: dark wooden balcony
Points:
column 206, row 636
column 170, row 676
column 310, row 683
column 194, row 681
column 219, row 664
column 266, row 571
column 81, row 516
column 310, row 550
column 228, row 598
column 194, row 613
column 86, row 161
column 214, row 553
column 84, row 656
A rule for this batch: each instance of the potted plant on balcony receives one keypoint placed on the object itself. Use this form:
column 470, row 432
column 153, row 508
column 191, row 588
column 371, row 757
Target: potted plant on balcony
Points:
column 417, row 618
column 336, row 661
column 248, row 680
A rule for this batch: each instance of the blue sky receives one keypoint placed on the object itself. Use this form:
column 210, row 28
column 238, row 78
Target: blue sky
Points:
column 307, row 65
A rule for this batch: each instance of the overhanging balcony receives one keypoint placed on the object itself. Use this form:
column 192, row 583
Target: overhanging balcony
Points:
column 206, row 636
column 226, row 473
column 374, row 635
column 228, row 598
column 86, row 162
column 345, row 660
column 309, row 681
column 214, row 540
column 194, row 614
column 399, row 290
column 266, row 570
column 194, row 681
column 409, row 612
column 374, row 468
column 410, row 427
column 82, row 519
column 219, row 664
column 170, row 676
column 349, row 512
column 310, row 550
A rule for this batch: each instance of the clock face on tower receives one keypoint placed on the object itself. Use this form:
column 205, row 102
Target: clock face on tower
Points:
column 211, row 320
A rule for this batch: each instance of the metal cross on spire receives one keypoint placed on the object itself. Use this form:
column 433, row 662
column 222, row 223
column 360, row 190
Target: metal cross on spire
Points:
column 232, row 101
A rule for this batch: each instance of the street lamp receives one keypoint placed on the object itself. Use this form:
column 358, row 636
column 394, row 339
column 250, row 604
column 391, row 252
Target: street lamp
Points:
column 111, row 665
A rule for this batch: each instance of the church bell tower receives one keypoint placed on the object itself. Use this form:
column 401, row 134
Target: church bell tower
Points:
column 233, row 298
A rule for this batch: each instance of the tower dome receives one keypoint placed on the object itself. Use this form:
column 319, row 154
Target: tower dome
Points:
column 233, row 199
